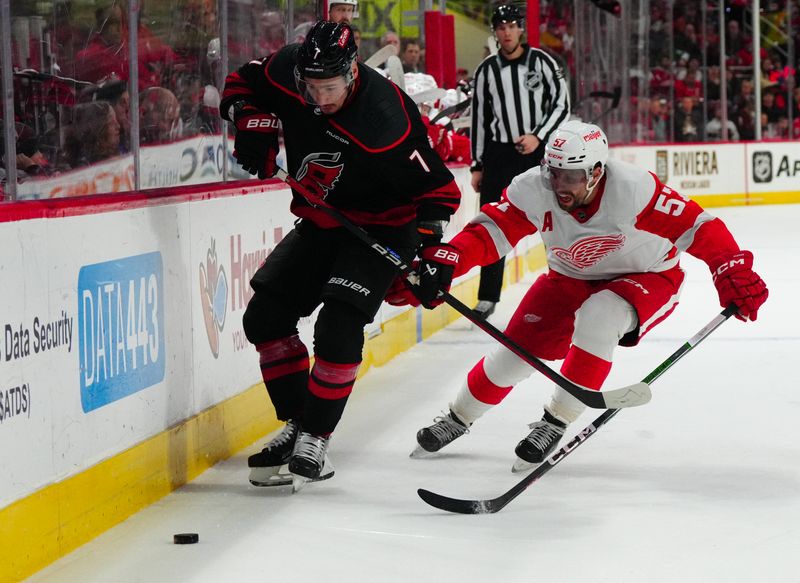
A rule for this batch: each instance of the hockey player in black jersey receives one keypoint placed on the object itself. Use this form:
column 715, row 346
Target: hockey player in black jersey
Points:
column 353, row 138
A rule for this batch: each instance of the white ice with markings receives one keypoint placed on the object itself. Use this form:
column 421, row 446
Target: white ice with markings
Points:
column 700, row 485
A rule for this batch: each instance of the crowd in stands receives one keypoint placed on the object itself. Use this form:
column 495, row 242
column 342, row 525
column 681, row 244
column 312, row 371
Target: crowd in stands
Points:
column 73, row 98
column 681, row 101
column 72, row 81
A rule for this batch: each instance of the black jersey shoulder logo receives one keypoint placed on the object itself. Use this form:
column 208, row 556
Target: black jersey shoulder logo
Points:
column 320, row 171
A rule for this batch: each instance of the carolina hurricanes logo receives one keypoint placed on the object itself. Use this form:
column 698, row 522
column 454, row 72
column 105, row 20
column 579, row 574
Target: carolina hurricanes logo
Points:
column 320, row 173
column 213, row 297
column 590, row 251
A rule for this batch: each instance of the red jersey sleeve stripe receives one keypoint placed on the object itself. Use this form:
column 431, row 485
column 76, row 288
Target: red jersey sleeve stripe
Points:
column 476, row 248
column 510, row 219
column 669, row 214
column 448, row 196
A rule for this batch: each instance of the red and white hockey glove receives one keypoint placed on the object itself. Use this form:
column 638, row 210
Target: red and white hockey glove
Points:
column 256, row 144
column 400, row 293
column 738, row 284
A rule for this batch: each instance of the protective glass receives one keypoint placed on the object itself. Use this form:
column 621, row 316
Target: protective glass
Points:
column 321, row 91
column 563, row 176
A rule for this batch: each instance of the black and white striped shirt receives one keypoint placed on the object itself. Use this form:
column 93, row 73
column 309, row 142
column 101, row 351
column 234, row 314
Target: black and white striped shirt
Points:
column 527, row 95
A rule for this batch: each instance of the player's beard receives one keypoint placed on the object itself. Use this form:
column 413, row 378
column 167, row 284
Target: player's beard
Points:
column 571, row 204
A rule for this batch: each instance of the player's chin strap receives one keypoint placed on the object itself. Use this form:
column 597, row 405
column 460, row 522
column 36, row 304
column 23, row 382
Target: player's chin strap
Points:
column 591, row 188
column 630, row 396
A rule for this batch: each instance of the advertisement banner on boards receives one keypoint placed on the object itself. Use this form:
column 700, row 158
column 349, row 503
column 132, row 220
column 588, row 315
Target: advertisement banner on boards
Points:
column 693, row 169
column 773, row 167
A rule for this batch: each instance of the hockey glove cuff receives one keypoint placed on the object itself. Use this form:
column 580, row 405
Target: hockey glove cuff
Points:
column 256, row 144
column 430, row 232
column 738, row 284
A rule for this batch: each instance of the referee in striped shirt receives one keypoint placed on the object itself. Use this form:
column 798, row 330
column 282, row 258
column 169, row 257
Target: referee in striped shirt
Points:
column 519, row 98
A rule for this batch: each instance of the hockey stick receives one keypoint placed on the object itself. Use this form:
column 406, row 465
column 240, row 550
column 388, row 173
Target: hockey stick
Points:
column 630, row 396
column 453, row 109
column 394, row 67
column 380, row 56
column 593, row 95
column 615, row 96
column 429, row 95
column 493, row 505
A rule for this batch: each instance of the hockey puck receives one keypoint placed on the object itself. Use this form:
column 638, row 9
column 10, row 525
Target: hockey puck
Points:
column 185, row 538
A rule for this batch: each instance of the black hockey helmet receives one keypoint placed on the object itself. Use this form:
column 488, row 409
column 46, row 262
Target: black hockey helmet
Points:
column 507, row 13
column 328, row 51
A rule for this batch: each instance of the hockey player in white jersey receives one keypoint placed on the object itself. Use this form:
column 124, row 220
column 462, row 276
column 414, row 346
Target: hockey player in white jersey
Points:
column 613, row 234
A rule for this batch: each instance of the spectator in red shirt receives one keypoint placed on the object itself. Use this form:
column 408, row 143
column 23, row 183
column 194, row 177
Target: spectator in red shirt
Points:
column 106, row 53
column 688, row 88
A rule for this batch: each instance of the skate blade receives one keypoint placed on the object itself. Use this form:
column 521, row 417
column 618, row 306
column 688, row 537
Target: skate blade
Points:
column 262, row 479
column 298, row 483
column 520, row 465
column 271, row 476
column 420, row 453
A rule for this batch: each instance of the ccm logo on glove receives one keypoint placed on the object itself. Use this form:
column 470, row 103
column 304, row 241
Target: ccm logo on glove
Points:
column 738, row 284
column 729, row 265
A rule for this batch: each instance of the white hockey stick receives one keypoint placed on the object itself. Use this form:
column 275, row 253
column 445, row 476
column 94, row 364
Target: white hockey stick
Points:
column 380, row 56
column 395, row 69
column 428, row 95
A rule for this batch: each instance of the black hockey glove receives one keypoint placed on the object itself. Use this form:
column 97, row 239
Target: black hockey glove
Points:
column 256, row 144
column 437, row 263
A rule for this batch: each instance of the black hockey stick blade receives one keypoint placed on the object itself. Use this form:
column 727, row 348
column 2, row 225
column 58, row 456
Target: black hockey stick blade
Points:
column 616, row 97
column 594, row 95
column 453, row 109
column 459, row 506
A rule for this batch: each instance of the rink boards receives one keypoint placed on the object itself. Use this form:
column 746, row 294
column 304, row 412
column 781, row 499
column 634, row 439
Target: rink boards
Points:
column 126, row 372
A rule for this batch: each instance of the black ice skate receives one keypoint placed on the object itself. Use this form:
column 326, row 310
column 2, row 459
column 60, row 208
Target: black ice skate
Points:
column 542, row 440
column 266, row 467
column 309, row 461
column 444, row 430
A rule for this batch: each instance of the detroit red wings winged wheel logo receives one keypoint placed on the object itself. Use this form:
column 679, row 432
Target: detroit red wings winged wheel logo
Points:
column 590, row 251
column 319, row 172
